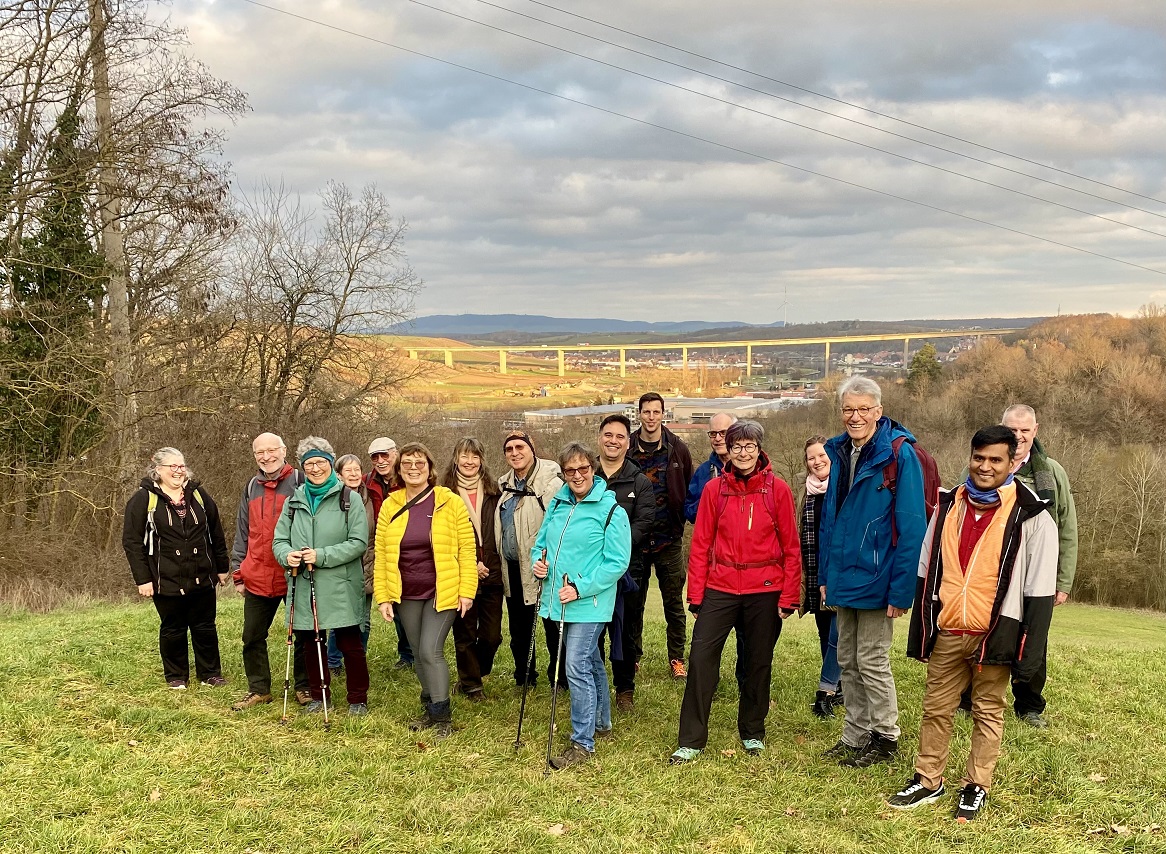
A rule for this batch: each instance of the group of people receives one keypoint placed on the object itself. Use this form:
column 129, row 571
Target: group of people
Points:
column 573, row 541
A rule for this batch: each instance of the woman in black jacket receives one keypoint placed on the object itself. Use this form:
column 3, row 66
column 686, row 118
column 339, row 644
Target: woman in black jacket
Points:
column 829, row 693
column 478, row 634
column 174, row 543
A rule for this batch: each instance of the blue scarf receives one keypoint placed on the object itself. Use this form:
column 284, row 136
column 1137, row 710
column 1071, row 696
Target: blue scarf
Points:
column 983, row 498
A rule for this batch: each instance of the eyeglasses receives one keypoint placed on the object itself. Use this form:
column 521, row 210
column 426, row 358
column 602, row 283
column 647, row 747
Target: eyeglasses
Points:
column 861, row 411
column 380, row 455
column 315, row 465
column 414, row 464
column 174, row 467
column 581, row 471
column 714, row 433
column 744, row 448
column 515, row 448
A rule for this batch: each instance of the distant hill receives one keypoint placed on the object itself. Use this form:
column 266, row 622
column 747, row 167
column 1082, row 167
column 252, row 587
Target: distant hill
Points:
column 455, row 325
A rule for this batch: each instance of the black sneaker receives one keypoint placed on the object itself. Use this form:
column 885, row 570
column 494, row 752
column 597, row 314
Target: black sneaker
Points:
column 971, row 801
column 842, row 751
column 878, row 749
column 915, row 794
column 1034, row 720
column 823, row 706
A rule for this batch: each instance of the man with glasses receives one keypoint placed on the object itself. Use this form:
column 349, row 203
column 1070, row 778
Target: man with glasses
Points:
column 664, row 458
column 713, row 467
column 379, row 483
column 257, row 574
column 869, row 545
column 633, row 492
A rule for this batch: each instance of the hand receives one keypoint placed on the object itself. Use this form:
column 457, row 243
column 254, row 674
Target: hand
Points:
column 309, row 556
column 1061, row 599
column 567, row 593
column 293, row 558
column 386, row 609
column 464, row 604
column 540, row 568
column 822, row 591
column 786, row 613
column 894, row 613
column 240, row 587
column 146, row 589
column 224, row 577
column 483, row 571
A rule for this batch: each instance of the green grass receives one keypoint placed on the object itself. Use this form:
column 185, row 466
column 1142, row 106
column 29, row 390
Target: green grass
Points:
column 96, row 755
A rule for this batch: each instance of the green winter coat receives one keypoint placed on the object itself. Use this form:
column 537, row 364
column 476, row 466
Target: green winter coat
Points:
column 340, row 540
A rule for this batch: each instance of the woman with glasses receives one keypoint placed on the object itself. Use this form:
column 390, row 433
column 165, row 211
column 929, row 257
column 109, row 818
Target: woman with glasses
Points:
column 174, row 543
column 829, row 692
column 323, row 532
column 744, row 571
column 426, row 573
column 582, row 549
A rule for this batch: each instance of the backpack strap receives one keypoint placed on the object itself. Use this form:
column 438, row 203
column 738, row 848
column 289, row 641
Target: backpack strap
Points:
column 428, row 491
column 150, row 536
column 610, row 513
column 891, row 482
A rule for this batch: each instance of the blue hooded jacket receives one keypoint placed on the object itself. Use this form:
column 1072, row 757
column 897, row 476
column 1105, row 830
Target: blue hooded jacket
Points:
column 701, row 475
column 856, row 562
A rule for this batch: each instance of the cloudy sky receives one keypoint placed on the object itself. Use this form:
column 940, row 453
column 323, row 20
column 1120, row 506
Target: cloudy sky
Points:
column 519, row 201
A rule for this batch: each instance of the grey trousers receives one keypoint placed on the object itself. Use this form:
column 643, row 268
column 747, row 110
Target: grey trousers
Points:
column 864, row 654
column 427, row 629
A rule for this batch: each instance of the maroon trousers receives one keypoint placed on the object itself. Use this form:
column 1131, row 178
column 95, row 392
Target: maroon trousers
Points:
column 351, row 646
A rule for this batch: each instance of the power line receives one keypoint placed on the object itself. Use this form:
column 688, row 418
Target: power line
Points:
column 697, row 138
column 864, row 109
column 758, row 112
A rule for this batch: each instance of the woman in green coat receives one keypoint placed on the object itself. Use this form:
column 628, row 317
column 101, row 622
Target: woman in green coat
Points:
column 323, row 531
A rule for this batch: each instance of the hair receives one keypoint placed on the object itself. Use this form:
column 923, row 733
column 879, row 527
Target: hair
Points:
column 732, row 418
column 997, row 434
column 1019, row 409
column 746, row 430
column 813, row 440
column 469, row 445
column 156, row 461
column 578, row 449
column 617, row 418
column 314, row 443
column 863, row 386
column 410, row 449
column 341, row 462
column 273, row 435
column 648, row 397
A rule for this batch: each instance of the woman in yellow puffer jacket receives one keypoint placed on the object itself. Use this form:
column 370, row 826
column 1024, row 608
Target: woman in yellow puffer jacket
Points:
column 427, row 566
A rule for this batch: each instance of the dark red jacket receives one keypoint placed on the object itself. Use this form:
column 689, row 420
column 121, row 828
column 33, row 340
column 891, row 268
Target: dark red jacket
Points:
column 377, row 491
column 746, row 538
column 253, row 565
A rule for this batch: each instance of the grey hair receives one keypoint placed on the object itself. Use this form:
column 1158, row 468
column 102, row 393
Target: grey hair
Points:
column 314, row 443
column 156, row 461
column 744, row 431
column 341, row 462
column 1019, row 409
column 578, row 449
column 732, row 418
column 862, row 386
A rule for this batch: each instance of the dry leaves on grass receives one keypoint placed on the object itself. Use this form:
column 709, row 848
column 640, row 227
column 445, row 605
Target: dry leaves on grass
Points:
column 1097, row 778
column 556, row 830
column 728, row 753
column 155, row 796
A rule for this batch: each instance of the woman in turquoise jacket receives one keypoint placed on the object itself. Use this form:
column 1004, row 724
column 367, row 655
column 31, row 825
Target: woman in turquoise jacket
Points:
column 582, row 550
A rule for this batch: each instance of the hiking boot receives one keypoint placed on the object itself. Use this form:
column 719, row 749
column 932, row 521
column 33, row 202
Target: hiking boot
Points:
column 823, row 705
column 303, row 696
column 176, row 684
column 214, row 682
column 915, row 794
column 252, row 699
column 679, row 671
column 314, row 707
column 358, row 709
column 336, row 671
column 625, row 701
column 403, row 664
column 838, row 699
column 423, row 722
column 478, row 696
column 573, row 755
column 442, row 719
column 1035, row 720
column 878, row 749
column 971, row 801
column 682, row 755
column 842, row 751
column 605, row 733
column 753, row 746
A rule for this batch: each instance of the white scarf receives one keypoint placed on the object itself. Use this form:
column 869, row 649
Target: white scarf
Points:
column 815, row 486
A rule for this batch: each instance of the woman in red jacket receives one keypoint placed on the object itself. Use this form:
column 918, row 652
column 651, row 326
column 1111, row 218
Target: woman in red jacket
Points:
column 744, row 571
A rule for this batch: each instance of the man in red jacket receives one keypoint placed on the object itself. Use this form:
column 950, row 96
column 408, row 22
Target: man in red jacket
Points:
column 255, row 571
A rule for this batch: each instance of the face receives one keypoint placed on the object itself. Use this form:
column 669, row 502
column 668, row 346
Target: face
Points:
column 989, row 466
column 172, row 472
column 469, row 464
column 613, row 442
column 383, row 462
column 579, row 476
column 718, row 424
column 351, row 474
column 860, row 416
column 817, row 463
column 518, row 455
column 744, row 454
column 317, row 469
column 1024, row 428
column 415, row 470
column 652, row 415
column 270, row 453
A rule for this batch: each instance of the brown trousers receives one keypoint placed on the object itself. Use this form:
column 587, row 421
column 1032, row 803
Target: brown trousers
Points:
column 949, row 671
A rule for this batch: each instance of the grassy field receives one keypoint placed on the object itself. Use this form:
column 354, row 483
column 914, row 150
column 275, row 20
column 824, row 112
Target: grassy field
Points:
column 96, row 755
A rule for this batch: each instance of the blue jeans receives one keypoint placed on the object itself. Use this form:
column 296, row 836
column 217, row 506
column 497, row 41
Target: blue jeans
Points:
column 335, row 659
column 831, row 676
column 587, row 679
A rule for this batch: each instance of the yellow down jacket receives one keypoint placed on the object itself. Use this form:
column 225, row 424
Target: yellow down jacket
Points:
column 454, row 549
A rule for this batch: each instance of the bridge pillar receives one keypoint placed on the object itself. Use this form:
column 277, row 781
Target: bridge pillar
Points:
column 906, row 352
column 449, row 358
column 501, row 361
column 826, row 368
column 684, row 358
column 623, row 363
column 562, row 363
column 413, row 355
column 748, row 360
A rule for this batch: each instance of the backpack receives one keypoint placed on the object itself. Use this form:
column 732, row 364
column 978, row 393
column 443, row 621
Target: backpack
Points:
column 345, row 504
column 151, row 535
column 931, row 482
column 766, row 498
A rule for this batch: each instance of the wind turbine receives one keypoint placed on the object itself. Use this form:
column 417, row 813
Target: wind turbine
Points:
column 785, row 306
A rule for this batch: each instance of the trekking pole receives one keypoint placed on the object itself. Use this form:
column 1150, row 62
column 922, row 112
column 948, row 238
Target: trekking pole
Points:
column 555, row 682
column 320, row 653
column 528, row 664
column 291, row 615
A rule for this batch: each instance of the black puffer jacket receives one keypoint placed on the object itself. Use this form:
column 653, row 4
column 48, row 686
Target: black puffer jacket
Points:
column 633, row 492
column 177, row 555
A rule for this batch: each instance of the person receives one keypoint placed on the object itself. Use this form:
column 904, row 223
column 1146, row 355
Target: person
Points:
column 664, row 458
column 633, row 492
column 718, row 425
column 256, row 572
column 426, row 572
column 379, row 482
column 817, row 463
column 867, row 557
column 174, row 543
column 478, row 634
column 321, row 536
column 351, row 474
column 582, row 550
column 526, row 490
column 987, row 578
column 744, row 571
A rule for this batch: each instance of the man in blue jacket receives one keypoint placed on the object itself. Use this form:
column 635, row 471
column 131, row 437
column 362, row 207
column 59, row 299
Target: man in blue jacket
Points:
column 870, row 538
